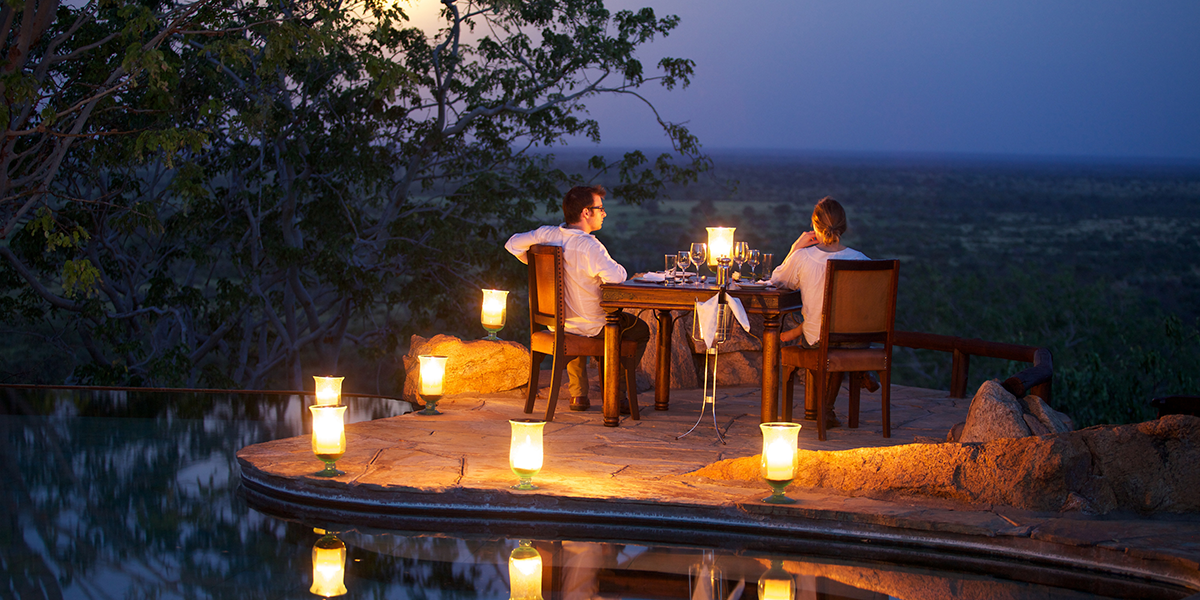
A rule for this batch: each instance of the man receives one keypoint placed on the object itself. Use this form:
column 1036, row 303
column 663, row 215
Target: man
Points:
column 586, row 265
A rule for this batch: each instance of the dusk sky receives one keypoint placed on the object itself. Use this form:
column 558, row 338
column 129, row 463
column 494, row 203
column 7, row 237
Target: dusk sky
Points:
column 1055, row 78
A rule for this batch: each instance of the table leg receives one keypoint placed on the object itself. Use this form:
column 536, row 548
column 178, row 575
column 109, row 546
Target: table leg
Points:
column 662, row 378
column 770, row 367
column 612, row 369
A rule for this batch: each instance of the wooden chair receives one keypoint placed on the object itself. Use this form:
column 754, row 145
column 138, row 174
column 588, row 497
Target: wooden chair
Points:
column 860, row 308
column 547, row 307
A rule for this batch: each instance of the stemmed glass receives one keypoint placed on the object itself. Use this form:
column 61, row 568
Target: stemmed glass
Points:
column 755, row 259
column 699, row 253
column 741, row 253
column 683, row 260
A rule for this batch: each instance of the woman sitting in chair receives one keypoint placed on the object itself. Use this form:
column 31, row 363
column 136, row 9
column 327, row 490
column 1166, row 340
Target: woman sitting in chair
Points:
column 804, row 270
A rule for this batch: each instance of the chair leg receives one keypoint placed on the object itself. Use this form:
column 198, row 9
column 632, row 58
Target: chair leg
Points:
column 556, row 374
column 631, row 391
column 535, row 372
column 810, row 398
column 855, row 378
column 885, row 381
column 789, row 380
column 821, row 381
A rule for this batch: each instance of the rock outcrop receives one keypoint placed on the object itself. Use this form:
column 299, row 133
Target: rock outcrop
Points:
column 1146, row 468
column 996, row 414
column 476, row 366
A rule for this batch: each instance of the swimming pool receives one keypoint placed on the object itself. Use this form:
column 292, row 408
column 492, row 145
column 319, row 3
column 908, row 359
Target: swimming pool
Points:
column 136, row 495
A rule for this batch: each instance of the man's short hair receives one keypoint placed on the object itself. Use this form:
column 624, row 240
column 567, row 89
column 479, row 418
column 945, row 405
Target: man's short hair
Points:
column 579, row 198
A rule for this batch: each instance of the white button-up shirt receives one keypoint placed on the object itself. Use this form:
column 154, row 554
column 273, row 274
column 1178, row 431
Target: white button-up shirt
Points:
column 586, row 265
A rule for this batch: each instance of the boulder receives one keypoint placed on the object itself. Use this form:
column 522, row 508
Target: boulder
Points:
column 683, row 368
column 476, row 366
column 1146, row 468
column 994, row 414
column 1054, row 421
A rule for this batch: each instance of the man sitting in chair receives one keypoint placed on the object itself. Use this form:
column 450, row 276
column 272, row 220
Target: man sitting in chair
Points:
column 586, row 265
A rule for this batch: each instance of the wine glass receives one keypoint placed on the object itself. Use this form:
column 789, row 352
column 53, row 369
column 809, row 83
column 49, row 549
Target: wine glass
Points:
column 754, row 259
column 699, row 253
column 683, row 260
column 741, row 253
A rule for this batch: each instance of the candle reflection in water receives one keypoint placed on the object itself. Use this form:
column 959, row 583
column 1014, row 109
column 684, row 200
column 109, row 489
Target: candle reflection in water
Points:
column 329, row 566
column 525, row 451
column 776, row 584
column 525, row 572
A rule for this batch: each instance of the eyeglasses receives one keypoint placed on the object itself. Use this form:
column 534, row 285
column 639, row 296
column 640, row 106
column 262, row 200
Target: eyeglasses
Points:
column 599, row 208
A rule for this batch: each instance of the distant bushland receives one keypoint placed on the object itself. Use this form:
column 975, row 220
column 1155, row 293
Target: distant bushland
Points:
column 1095, row 261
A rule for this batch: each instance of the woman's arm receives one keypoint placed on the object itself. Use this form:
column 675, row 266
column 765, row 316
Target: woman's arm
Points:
column 806, row 239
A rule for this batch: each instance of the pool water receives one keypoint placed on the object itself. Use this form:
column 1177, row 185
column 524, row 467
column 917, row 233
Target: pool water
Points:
column 136, row 495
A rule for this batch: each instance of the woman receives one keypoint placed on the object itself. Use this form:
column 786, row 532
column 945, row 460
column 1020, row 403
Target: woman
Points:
column 804, row 267
column 804, row 270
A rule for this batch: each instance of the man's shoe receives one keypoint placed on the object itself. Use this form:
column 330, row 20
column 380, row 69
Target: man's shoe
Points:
column 869, row 381
column 831, row 420
column 580, row 403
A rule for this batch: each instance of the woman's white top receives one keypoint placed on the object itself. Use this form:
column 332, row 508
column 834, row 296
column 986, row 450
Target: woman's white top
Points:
column 804, row 270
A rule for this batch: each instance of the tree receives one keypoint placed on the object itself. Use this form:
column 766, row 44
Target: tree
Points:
column 357, row 177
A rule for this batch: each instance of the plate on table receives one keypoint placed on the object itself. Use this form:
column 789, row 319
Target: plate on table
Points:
column 753, row 285
column 649, row 278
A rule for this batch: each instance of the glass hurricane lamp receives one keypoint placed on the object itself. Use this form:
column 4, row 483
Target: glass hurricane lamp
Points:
column 492, row 316
column 779, row 459
column 329, row 389
column 525, row 451
column 328, row 437
column 433, row 370
column 720, row 245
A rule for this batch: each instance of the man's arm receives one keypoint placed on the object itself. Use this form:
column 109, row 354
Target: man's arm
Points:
column 519, row 244
column 603, row 266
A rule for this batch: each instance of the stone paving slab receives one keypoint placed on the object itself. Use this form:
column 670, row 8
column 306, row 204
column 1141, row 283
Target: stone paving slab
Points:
column 638, row 473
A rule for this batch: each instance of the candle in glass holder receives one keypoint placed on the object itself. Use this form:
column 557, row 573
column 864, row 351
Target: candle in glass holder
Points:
column 329, row 431
column 494, row 302
column 779, row 458
column 329, row 389
column 720, row 244
column 525, row 451
column 433, row 368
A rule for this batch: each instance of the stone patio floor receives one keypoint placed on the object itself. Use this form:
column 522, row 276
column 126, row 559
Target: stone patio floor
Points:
column 637, row 475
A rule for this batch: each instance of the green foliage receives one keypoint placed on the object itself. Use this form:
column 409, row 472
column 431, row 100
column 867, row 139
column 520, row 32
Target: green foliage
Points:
column 281, row 187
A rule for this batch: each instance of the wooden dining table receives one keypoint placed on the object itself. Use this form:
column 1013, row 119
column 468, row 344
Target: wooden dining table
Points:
column 771, row 303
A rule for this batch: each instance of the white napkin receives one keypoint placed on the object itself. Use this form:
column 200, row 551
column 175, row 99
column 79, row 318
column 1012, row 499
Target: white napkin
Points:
column 707, row 311
column 652, row 276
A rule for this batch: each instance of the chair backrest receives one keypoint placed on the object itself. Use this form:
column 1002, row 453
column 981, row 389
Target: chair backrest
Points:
column 546, row 304
column 860, row 300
